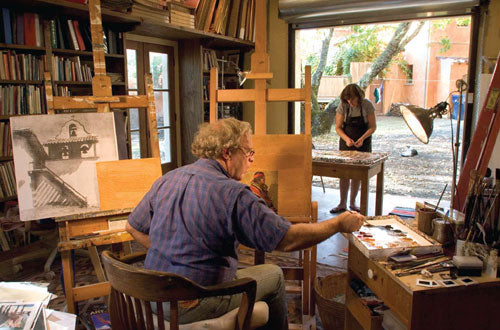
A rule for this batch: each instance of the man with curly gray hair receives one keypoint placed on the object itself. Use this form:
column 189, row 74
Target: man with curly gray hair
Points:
column 193, row 219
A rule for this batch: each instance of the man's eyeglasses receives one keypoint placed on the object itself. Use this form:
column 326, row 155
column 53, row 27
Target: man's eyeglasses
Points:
column 248, row 153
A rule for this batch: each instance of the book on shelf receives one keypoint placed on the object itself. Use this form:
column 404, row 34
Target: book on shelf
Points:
column 38, row 32
column 71, row 29
column 20, row 28
column 79, row 37
column 29, row 29
column 6, row 26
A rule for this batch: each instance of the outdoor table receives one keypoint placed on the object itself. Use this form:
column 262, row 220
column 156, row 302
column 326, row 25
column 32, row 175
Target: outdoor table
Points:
column 353, row 165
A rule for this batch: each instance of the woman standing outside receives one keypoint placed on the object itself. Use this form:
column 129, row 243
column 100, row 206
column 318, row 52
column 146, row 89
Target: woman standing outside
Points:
column 355, row 123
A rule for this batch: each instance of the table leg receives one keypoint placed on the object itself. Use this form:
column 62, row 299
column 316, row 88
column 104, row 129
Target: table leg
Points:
column 67, row 269
column 364, row 194
column 379, row 196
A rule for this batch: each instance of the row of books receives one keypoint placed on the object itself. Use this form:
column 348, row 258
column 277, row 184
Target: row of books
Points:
column 233, row 18
column 70, row 34
column 8, row 181
column 70, row 69
column 21, row 66
column 20, row 28
column 22, row 100
column 210, row 60
column 5, row 140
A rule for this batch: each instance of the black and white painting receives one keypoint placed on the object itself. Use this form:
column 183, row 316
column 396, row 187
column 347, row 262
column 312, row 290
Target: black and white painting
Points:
column 54, row 159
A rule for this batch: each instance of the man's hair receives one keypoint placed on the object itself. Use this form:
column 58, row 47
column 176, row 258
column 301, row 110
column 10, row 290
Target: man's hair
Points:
column 212, row 139
column 350, row 91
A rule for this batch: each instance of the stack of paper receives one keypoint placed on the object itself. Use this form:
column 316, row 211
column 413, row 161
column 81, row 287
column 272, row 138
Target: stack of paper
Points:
column 23, row 306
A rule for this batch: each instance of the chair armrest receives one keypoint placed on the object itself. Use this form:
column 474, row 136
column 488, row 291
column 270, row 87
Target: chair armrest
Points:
column 246, row 284
column 134, row 257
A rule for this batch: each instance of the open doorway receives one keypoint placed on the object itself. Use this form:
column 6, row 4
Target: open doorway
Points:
column 412, row 62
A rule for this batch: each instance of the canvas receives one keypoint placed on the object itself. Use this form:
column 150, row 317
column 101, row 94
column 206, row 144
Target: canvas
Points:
column 54, row 159
column 265, row 185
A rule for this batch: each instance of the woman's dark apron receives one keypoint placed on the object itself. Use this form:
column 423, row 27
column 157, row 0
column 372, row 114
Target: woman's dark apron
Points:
column 355, row 127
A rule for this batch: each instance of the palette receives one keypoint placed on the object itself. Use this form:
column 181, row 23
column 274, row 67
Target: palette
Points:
column 384, row 236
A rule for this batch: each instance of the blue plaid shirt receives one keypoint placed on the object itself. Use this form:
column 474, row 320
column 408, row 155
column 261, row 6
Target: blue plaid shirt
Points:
column 197, row 215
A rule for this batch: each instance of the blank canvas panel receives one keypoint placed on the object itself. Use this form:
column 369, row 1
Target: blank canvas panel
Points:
column 291, row 157
column 123, row 183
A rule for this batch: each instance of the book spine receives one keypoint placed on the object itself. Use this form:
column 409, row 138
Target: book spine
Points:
column 53, row 33
column 72, row 33
column 79, row 37
column 7, row 27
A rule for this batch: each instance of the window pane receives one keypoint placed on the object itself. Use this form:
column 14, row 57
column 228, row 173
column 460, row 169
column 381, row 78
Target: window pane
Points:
column 136, row 145
column 162, row 109
column 134, row 115
column 164, row 140
column 132, row 68
column 158, row 65
column 134, row 119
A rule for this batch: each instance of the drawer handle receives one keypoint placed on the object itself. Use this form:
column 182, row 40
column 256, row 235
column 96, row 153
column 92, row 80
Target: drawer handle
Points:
column 371, row 274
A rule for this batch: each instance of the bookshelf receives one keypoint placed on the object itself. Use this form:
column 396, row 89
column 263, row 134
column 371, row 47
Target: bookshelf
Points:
column 191, row 42
column 228, row 63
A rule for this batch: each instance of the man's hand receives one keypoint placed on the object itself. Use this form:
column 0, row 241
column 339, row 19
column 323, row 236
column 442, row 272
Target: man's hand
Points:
column 350, row 221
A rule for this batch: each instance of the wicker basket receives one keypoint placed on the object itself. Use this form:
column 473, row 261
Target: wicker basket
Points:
column 325, row 289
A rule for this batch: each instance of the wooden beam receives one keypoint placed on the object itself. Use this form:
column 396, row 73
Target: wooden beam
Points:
column 285, row 94
column 214, row 85
column 92, row 102
column 235, row 95
column 307, row 100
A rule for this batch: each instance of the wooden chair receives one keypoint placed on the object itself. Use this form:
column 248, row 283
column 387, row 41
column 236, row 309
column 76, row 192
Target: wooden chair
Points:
column 133, row 289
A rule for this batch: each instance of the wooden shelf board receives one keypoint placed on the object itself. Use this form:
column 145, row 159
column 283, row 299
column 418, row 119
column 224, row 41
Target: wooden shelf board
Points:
column 22, row 47
column 5, row 158
column 22, row 82
column 85, row 53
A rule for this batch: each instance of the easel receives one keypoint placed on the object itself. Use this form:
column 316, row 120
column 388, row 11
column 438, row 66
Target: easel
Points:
column 289, row 155
column 89, row 230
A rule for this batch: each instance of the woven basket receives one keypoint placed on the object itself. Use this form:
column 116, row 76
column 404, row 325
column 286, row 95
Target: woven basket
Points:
column 325, row 289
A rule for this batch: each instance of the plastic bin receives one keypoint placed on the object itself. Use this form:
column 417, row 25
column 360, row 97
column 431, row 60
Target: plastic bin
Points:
column 332, row 313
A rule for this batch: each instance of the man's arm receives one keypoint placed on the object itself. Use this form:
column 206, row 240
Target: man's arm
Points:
column 303, row 235
column 141, row 238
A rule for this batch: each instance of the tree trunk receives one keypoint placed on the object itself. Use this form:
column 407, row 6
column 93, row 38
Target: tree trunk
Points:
column 316, row 77
column 394, row 47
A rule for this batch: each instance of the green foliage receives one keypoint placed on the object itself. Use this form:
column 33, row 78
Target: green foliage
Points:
column 445, row 44
column 313, row 61
column 441, row 24
column 363, row 45
column 463, row 21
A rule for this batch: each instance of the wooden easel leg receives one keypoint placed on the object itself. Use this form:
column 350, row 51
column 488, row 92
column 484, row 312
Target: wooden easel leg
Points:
column 67, row 269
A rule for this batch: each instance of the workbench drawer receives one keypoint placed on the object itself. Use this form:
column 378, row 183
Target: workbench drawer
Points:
column 385, row 285
column 361, row 312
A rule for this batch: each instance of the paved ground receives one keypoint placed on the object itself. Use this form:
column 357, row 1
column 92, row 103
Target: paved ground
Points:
column 422, row 176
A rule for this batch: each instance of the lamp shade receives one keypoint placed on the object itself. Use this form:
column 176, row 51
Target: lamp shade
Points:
column 420, row 121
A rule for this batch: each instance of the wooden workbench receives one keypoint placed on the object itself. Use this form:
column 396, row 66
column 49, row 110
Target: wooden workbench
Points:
column 462, row 307
column 353, row 165
column 87, row 231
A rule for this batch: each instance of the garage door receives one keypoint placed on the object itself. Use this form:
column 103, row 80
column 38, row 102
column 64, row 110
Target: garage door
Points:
column 321, row 13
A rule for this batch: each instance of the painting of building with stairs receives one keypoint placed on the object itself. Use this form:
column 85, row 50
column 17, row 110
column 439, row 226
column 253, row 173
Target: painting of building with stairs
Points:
column 54, row 160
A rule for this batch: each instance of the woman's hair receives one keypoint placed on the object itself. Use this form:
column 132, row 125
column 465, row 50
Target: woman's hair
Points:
column 212, row 139
column 350, row 91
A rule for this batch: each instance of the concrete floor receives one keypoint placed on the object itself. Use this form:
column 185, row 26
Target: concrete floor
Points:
column 333, row 250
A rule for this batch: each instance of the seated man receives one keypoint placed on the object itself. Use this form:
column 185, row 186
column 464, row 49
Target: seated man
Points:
column 193, row 219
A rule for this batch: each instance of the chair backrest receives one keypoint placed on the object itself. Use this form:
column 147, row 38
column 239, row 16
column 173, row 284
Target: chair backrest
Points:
column 133, row 289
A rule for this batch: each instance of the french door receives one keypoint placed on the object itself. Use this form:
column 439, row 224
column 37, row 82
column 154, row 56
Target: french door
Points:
column 159, row 61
